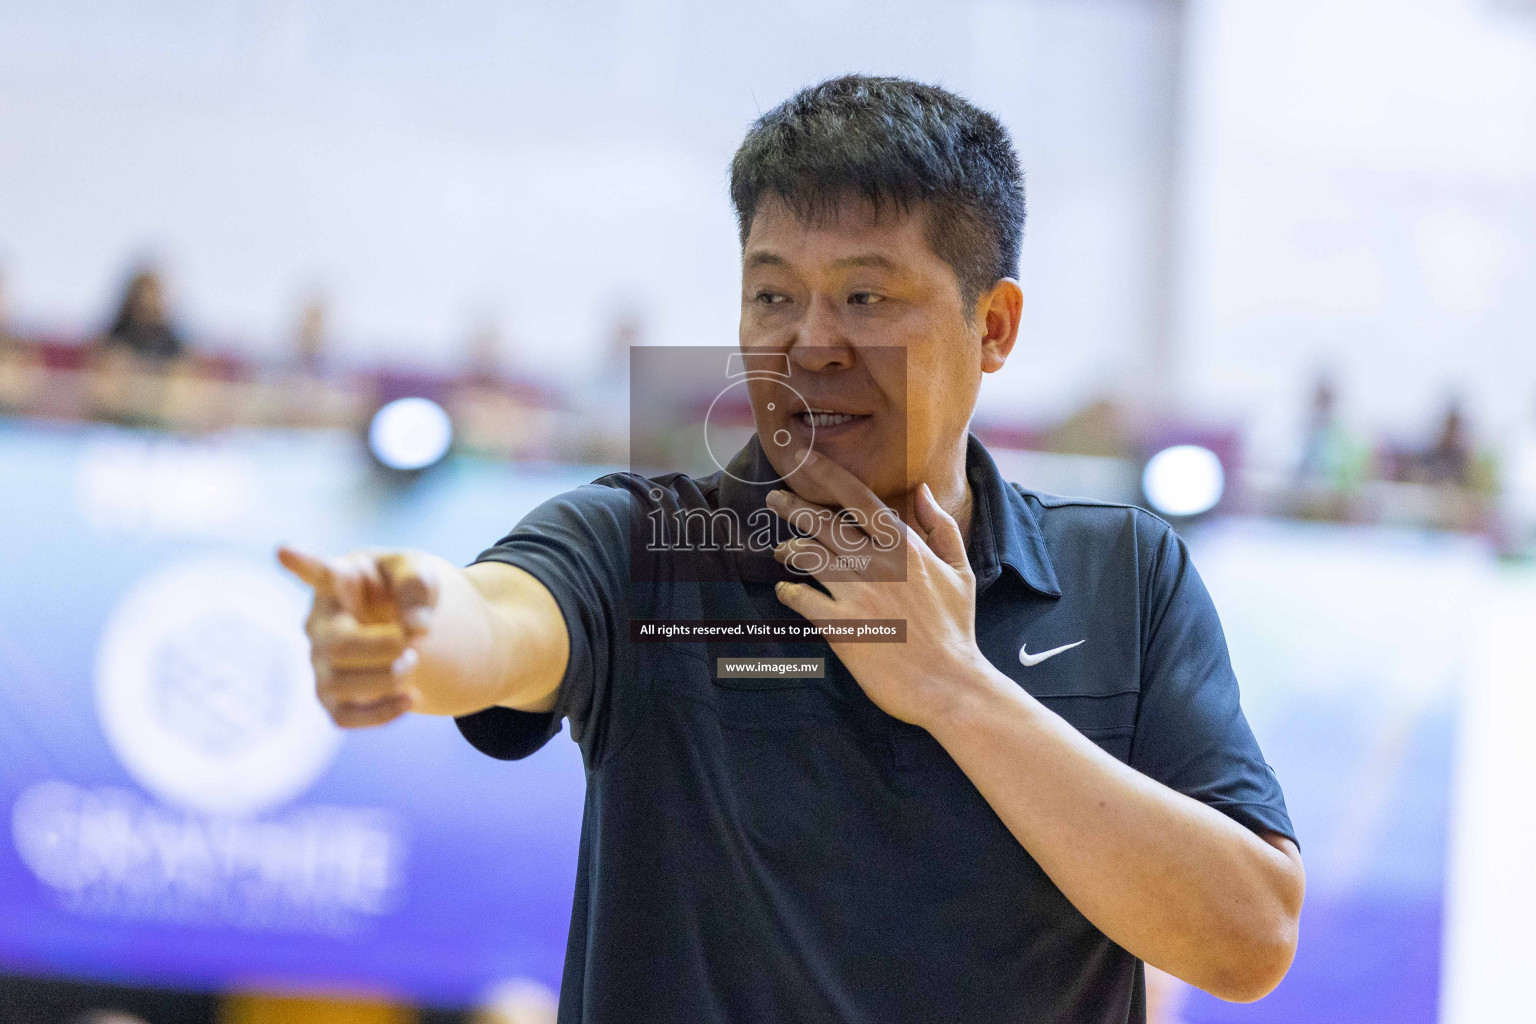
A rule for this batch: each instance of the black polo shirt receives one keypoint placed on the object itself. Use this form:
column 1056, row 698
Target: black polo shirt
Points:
column 783, row 850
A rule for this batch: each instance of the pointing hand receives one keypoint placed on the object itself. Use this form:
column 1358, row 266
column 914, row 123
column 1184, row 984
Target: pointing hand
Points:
column 371, row 608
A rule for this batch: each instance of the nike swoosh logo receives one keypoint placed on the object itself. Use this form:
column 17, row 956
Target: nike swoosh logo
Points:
column 1031, row 660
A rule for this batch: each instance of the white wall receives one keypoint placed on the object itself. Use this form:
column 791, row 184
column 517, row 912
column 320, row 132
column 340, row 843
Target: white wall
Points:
column 1358, row 178
column 1359, row 192
column 430, row 165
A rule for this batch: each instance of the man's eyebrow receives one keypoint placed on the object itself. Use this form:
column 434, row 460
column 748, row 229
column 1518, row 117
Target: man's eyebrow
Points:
column 769, row 259
column 870, row 260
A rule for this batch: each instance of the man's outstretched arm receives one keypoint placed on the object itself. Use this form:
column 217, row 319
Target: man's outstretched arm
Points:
column 398, row 631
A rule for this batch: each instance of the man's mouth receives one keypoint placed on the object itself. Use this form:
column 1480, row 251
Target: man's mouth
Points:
column 824, row 417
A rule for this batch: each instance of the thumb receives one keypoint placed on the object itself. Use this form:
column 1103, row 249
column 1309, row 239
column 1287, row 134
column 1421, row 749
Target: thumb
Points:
column 413, row 585
column 312, row 569
column 943, row 532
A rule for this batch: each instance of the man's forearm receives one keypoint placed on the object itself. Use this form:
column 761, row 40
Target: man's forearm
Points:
column 491, row 642
column 1171, row 880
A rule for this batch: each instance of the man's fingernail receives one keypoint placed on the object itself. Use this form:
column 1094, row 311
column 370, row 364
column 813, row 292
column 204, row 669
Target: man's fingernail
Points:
column 417, row 619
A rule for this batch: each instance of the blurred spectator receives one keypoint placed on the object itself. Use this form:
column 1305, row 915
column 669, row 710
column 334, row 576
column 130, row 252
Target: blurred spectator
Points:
column 496, row 415
column 1333, row 465
column 310, row 338
column 1321, row 452
column 127, row 373
column 143, row 324
column 604, row 403
column 1450, row 485
column 487, row 356
column 21, row 365
column 1448, row 461
column 310, row 390
column 628, row 330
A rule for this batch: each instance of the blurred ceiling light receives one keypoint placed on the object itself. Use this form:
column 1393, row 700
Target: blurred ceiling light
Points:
column 410, row 433
column 1184, row 480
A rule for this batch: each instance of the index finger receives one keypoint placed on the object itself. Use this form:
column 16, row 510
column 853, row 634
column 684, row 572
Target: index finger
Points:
column 312, row 569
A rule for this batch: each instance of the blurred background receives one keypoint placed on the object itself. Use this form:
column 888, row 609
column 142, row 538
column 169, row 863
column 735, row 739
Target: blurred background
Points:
column 354, row 274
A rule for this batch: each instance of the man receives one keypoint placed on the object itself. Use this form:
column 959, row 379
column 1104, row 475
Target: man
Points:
column 143, row 323
column 1047, row 783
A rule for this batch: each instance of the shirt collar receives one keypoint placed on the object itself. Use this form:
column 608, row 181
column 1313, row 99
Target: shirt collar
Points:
column 1004, row 530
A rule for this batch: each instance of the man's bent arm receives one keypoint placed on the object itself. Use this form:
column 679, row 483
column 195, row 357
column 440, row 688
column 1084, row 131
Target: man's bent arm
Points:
column 497, row 637
column 1171, row 880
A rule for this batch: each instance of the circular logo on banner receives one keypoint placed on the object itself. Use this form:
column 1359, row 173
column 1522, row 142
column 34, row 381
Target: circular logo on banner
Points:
column 204, row 688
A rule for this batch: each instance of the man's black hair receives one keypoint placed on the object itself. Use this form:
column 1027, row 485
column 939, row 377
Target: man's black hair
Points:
column 892, row 141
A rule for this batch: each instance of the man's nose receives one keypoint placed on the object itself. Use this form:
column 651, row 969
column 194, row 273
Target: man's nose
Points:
column 820, row 342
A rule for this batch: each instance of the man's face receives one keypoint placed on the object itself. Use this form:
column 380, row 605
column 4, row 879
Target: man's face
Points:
column 879, row 346
column 148, row 300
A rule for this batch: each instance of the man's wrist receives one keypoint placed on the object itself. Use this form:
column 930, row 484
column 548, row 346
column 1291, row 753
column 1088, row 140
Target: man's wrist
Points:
column 976, row 692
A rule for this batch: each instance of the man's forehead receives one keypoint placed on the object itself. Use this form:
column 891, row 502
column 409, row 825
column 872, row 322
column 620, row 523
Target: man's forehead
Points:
column 850, row 233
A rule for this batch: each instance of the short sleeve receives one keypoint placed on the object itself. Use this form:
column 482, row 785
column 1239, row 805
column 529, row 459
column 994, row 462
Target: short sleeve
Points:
column 576, row 544
column 1191, row 733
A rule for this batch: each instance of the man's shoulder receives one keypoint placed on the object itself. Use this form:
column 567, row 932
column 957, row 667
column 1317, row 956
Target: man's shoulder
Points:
column 623, row 500
column 1071, row 519
column 603, row 518
column 666, row 489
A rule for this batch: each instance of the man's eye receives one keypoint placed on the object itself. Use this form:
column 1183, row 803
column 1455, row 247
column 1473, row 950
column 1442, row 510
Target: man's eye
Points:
column 864, row 299
column 771, row 298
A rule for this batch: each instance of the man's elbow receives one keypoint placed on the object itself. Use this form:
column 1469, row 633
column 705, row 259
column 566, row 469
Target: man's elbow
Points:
column 1257, row 966
column 1258, row 961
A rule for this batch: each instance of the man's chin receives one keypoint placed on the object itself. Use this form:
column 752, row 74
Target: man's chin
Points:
column 886, row 481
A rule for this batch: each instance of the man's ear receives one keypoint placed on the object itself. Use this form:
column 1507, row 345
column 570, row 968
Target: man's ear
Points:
column 998, row 311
